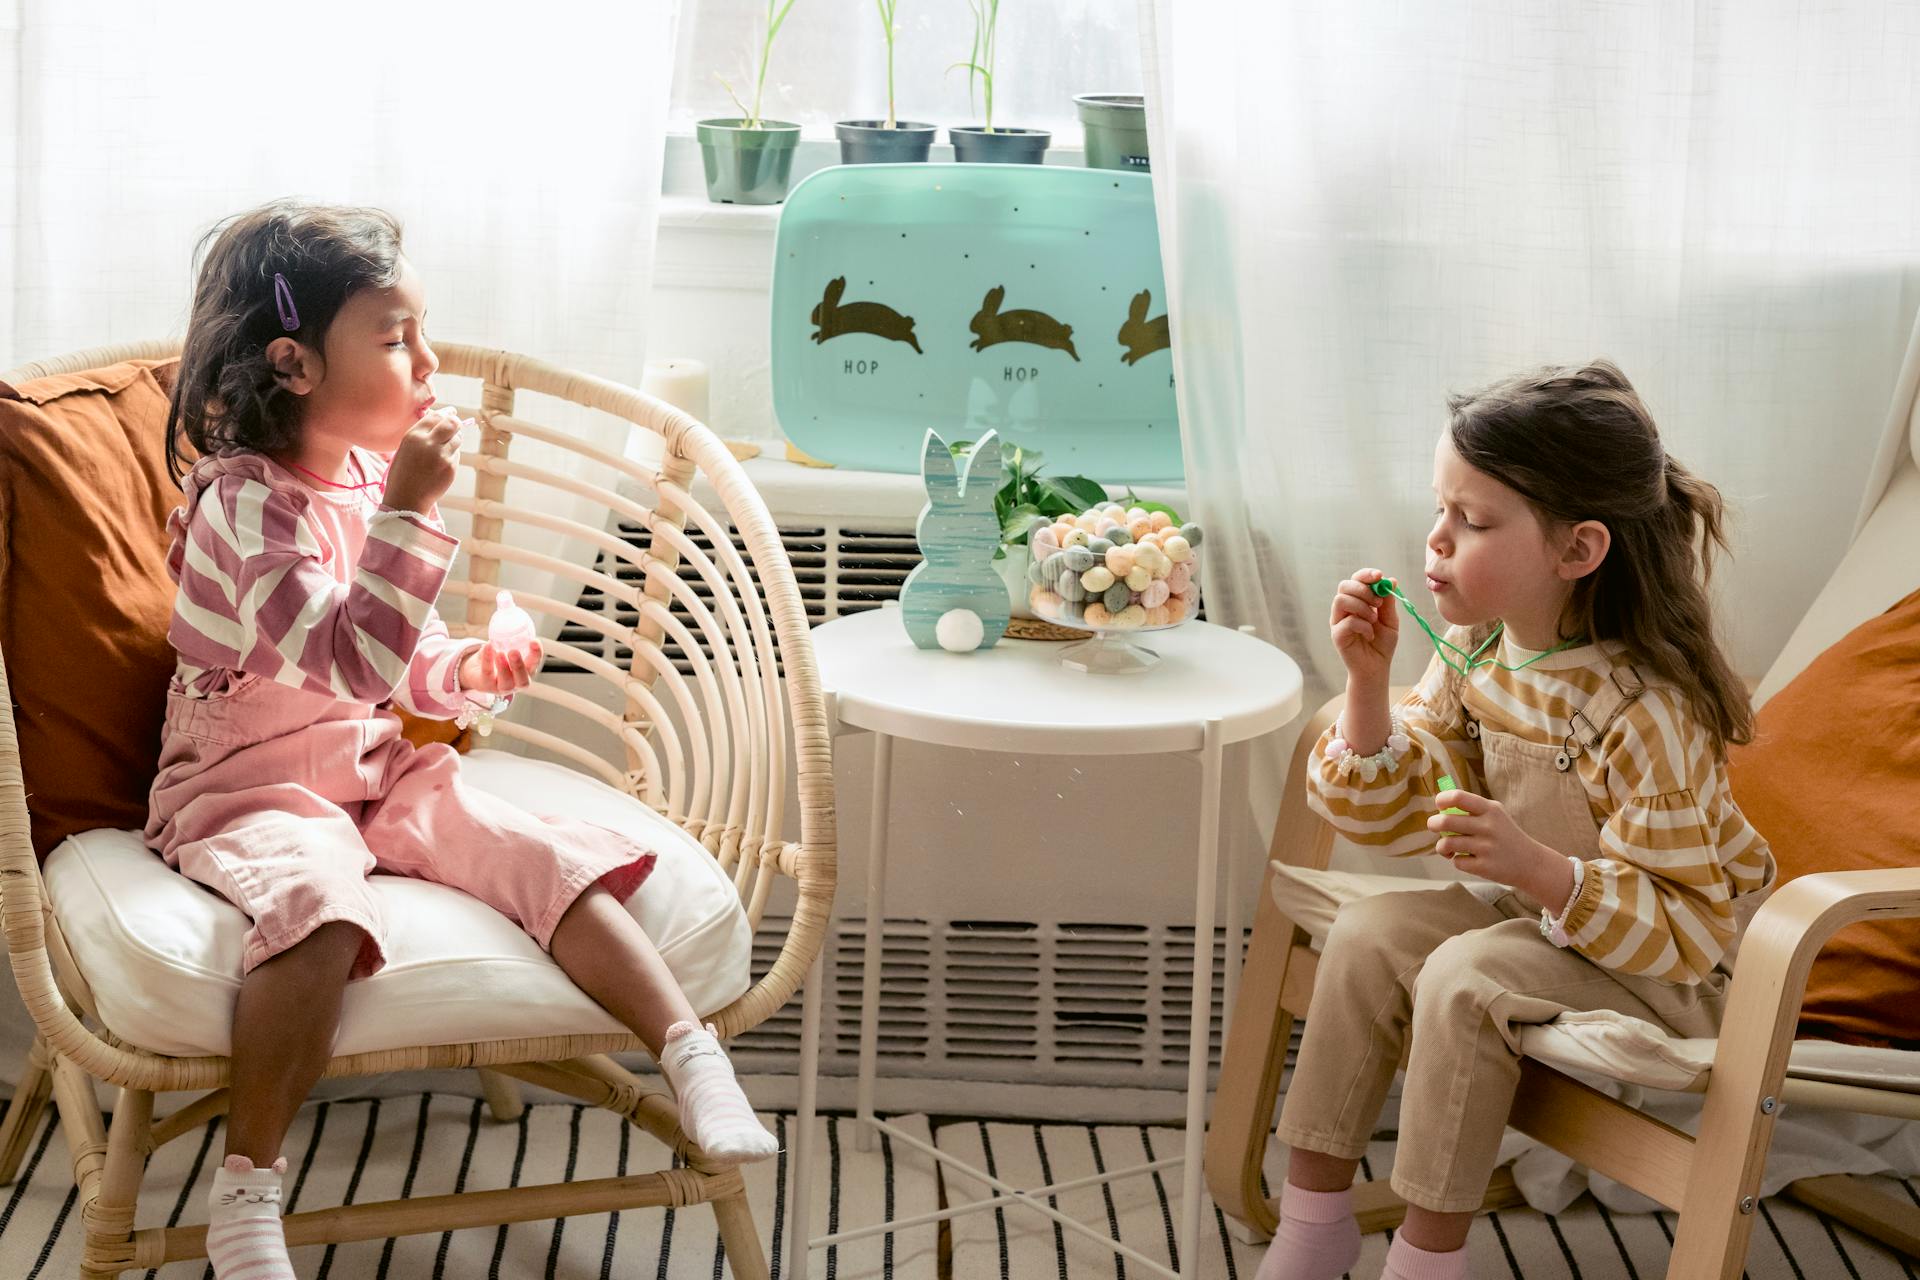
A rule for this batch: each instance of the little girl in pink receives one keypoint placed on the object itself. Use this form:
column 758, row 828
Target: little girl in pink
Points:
column 309, row 554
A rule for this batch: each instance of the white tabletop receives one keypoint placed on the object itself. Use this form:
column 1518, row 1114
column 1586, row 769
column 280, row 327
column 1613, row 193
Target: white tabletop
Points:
column 1018, row 697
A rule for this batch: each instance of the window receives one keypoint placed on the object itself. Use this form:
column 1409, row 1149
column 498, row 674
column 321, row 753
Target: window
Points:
column 829, row 62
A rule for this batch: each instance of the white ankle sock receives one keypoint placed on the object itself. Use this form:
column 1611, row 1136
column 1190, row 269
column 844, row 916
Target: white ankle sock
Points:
column 713, row 1111
column 1318, row 1238
column 244, row 1239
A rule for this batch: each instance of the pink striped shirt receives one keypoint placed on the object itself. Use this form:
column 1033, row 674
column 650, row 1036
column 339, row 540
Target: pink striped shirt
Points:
column 323, row 592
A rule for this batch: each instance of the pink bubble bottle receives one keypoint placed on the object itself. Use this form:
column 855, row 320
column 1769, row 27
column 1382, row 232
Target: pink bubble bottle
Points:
column 511, row 628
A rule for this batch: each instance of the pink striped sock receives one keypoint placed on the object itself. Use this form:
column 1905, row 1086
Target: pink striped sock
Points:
column 244, row 1239
column 1409, row 1262
column 1318, row 1238
column 713, row 1111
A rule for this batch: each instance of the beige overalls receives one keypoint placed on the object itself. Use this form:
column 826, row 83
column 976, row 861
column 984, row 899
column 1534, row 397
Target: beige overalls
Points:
column 1461, row 970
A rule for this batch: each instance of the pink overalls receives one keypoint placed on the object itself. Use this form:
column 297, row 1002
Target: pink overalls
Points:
column 282, row 784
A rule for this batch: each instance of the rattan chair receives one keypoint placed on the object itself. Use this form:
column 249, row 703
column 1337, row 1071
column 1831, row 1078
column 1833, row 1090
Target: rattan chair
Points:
column 715, row 752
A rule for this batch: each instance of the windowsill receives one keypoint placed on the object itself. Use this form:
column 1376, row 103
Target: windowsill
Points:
column 684, row 203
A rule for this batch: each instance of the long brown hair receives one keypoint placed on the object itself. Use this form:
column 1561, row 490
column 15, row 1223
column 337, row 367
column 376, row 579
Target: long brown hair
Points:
column 1578, row 444
column 227, row 395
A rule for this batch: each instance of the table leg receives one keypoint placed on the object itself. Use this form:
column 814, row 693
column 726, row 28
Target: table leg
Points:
column 800, row 1150
column 1206, row 881
column 1237, row 836
column 863, row 1133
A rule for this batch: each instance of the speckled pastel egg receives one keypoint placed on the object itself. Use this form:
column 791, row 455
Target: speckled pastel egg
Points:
column 1120, row 536
column 1096, row 579
column 1100, row 547
column 1117, row 597
column 1139, row 527
column 1041, row 600
column 1176, row 607
column 1181, row 577
column 1046, row 535
column 1120, row 561
column 1131, row 616
column 1078, row 559
column 1071, row 610
column 1159, row 617
column 1160, row 519
column 1136, row 513
column 1087, row 522
column 1139, row 578
column 1178, row 549
column 1039, row 574
column 1076, row 538
column 1115, row 510
column 1191, row 532
column 1154, row 594
column 1070, row 587
column 1097, row 615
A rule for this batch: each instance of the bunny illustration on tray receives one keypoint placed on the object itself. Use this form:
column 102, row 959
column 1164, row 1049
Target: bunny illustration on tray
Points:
column 954, row 599
column 836, row 318
column 994, row 326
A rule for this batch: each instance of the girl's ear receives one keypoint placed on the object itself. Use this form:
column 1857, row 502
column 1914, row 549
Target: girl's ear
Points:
column 1583, row 547
column 295, row 365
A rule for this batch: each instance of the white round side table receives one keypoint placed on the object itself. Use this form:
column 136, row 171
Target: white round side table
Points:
column 1213, row 687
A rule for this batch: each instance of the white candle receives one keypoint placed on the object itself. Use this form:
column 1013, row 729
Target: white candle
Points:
column 680, row 382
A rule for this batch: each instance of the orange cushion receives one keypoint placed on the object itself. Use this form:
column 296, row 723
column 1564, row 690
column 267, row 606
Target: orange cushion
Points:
column 84, row 594
column 1832, row 780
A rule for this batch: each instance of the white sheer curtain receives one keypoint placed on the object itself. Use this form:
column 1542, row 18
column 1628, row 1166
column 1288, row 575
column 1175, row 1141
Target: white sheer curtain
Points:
column 521, row 149
column 1366, row 204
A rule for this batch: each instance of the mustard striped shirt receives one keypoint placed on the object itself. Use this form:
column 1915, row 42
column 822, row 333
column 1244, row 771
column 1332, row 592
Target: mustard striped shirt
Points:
column 1675, row 850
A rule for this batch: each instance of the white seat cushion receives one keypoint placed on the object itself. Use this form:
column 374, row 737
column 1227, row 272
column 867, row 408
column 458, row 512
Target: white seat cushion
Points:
column 1601, row 1041
column 162, row 954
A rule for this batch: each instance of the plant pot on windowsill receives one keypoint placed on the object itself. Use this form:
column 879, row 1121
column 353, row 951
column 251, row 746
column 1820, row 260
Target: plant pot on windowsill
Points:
column 747, row 165
column 1116, row 127
column 872, row 142
column 977, row 144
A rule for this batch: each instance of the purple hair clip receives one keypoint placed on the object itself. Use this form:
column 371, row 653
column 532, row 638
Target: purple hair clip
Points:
column 283, row 298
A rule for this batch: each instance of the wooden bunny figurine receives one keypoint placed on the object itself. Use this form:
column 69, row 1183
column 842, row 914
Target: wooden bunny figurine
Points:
column 954, row 599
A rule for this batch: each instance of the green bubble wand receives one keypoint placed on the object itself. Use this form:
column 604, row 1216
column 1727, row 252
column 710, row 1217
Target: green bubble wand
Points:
column 1467, row 662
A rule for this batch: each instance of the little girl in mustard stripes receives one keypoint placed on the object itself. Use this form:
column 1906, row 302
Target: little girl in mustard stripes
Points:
column 1573, row 727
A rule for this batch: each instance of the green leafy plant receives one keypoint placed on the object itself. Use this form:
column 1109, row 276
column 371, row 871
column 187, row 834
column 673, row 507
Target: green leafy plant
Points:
column 776, row 14
column 979, row 64
column 887, row 25
column 1026, row 498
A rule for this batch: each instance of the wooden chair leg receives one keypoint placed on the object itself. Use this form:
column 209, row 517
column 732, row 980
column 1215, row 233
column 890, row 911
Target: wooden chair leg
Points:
column 1251, row 1063
column 502, row 1094
column 23, row 1113
column 1864, row 1207
column 740, row 1236
column 109, row 1217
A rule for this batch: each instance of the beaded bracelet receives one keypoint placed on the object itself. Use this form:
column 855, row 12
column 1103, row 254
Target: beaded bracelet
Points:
column 1346, row 759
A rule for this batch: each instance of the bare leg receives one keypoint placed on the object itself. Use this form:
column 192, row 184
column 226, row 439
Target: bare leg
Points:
column 608, row 956
column 283, row 1027
column 1436, row 1232
column 1314, row 1171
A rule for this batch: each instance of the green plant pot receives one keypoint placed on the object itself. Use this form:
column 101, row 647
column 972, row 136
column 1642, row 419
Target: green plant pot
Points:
column 747, row 166
column 871, row 142
column 1116, row 125
column 974, row 145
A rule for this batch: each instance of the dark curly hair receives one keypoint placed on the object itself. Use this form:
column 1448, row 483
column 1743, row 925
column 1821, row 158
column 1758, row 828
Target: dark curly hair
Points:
column 227, row 395
column 1579, row 444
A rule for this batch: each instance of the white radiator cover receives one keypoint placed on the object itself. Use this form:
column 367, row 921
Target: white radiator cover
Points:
column 1039, row 909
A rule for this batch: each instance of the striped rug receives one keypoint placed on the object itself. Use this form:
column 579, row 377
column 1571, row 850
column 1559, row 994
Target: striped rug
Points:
column 1584, row 1243
column 352, row 1150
